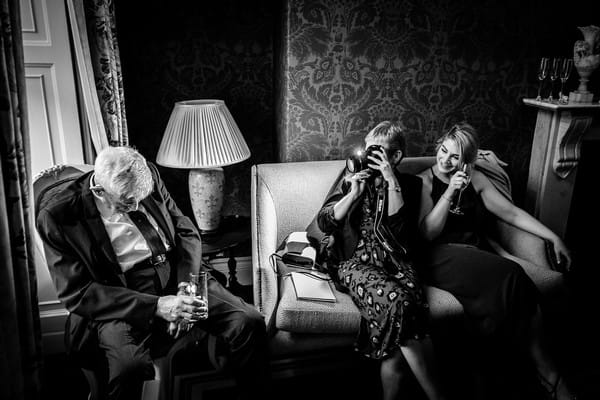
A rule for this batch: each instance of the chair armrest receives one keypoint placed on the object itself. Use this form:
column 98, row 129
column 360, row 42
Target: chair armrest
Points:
column 264, row 242
column 519, row 243
column 531, row 253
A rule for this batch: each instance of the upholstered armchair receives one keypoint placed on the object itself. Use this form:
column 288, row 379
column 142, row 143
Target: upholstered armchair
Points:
column 45, row 185
column 287, row 196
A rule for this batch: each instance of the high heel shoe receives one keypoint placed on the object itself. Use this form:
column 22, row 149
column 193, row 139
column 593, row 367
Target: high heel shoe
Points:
column 551, row 389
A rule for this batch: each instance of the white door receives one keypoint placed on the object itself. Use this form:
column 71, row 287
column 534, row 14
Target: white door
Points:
column 53, row 127
column 51, row 98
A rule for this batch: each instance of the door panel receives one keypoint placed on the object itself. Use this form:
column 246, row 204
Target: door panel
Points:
column 53, row 126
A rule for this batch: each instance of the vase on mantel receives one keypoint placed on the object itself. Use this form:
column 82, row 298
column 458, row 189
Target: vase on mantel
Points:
column 585, row 59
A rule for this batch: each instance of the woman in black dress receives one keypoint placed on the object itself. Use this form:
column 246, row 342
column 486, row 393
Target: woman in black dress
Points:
column 497, row 295
column 371, row 218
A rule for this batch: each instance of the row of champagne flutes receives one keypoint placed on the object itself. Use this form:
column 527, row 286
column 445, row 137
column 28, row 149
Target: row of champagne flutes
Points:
column 554, row 68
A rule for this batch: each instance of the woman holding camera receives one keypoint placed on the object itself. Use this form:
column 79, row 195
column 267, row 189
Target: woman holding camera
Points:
column 370, row 216
column 499, row 299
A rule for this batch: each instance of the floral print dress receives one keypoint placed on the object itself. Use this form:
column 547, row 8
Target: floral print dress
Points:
column 389, row 296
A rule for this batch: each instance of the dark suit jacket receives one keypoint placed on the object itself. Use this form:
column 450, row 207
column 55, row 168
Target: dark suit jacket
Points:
column 83, row 265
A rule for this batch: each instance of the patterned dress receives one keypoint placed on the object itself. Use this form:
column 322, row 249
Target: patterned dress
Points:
column 389, row 296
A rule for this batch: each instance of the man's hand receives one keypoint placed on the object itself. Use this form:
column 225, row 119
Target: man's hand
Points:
column 176, row 329
column 173, row 308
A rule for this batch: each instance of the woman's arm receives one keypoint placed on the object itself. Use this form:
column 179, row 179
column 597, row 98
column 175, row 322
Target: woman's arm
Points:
column 433, row 216
column 502, row 208
column 339, row 200
column 357, row 187
column 382, row 164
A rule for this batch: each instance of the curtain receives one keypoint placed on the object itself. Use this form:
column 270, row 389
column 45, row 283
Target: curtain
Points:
column 106, row 64
column 20, row 334
column 93, row 131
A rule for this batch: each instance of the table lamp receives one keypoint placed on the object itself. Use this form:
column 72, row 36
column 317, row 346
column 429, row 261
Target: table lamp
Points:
column 202, row 136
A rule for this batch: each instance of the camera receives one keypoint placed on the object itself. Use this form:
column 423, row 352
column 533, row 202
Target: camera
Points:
column 359, row 161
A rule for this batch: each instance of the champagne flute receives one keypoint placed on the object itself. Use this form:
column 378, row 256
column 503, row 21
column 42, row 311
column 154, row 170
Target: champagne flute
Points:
column 554, row 72
column 565, row 72
column 467, row 169
column 542, row 72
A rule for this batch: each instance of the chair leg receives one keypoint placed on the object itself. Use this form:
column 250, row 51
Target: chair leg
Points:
column 151, row 390
column 157, row 389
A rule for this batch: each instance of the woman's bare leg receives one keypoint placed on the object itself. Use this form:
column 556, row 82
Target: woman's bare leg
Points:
column 393, row 372
column 545, row 365
column 418, row 354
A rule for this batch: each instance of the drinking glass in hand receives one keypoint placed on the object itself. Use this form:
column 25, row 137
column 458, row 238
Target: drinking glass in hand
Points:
column 466, row 168
column 565, row 72
column 554, row 72
column 198, row 288
column 542, row 73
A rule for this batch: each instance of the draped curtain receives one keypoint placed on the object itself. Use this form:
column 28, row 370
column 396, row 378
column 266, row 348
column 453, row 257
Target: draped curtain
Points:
column 20, row 334
column 93, row 132
column 106, row 64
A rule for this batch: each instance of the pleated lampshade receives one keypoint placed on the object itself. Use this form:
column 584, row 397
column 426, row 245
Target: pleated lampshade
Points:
column 201, row 134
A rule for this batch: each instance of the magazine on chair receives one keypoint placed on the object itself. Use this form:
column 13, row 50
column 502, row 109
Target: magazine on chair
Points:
column 310, row 286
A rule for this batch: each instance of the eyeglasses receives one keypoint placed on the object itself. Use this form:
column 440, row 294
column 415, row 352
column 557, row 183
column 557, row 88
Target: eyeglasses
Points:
column 127, row 204
column 121, row 204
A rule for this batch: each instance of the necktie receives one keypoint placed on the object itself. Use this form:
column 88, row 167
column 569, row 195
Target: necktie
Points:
column 157, row 247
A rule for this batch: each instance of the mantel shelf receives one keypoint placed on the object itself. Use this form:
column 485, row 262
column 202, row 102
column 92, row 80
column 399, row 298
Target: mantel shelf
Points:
column 543, row 104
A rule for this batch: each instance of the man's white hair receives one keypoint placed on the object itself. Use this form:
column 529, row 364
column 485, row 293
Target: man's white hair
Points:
column 123, row 172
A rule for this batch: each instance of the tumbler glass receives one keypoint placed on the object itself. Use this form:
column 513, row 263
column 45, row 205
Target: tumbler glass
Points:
column 198, row 288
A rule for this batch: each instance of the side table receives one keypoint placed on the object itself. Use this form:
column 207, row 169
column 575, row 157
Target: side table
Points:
column 233, row 233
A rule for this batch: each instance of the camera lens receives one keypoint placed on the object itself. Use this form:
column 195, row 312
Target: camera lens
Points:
column 360, row 160
column 355, row 163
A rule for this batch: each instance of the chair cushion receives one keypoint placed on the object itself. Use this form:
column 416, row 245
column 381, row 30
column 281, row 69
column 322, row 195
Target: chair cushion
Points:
column 341, row 317
column 308, row 316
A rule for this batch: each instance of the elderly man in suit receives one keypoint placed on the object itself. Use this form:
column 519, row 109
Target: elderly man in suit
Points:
column 117, row 246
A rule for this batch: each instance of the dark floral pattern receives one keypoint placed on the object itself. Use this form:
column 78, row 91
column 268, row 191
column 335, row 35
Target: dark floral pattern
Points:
column 106, row 62
column 352, row 63
column 389, row 296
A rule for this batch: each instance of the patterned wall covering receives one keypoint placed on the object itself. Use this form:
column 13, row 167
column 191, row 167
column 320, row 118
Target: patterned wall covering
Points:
column 348, row 64
column 199, row 50
column 339, row 66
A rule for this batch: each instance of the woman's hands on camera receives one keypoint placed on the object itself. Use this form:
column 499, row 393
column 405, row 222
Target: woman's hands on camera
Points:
column 358, row 182
column 382, row 164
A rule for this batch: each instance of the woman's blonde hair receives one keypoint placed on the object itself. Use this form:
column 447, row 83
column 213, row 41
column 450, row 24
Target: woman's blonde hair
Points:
column 466, row 138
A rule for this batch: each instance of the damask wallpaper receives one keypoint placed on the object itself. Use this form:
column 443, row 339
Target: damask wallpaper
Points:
column 305, row 79
column 199, row 50
column 348, row 64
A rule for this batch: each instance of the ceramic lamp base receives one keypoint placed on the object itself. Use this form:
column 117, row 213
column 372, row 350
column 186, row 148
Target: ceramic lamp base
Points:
column 206, row 195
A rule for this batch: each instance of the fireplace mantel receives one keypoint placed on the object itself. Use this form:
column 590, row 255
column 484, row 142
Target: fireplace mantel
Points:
column 559, row 133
